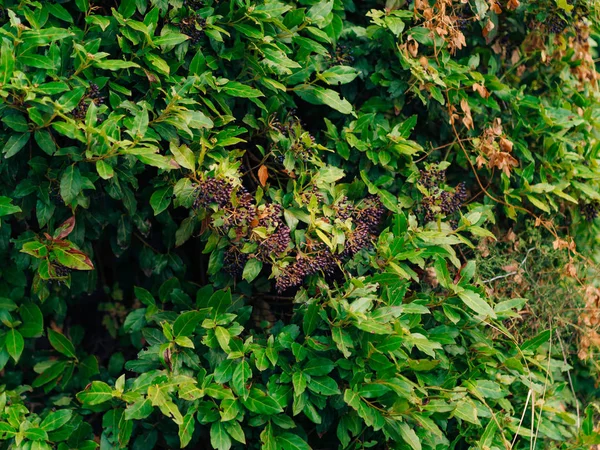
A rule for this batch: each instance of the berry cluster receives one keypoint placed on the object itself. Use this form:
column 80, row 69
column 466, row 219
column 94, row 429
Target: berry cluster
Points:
column 93, row 94
column 342, row 55
column 294, row 274
column 193, row 26
column 590, row 210
column 366, row 220
column 60, row 270
column 277, row 241
column 555, row 24
column 193, row 4
column 212, row 191
column 438, row 200
column 432, row 178
column 316, row 258
column 234, row 261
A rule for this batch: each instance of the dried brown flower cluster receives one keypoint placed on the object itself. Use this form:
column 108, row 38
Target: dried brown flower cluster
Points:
column 445, row 20
column 495, row 149
column 589, row 321
column 580, row 43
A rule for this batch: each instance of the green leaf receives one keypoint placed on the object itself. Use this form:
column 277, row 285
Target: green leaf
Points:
column 260, row 403
column 144, row 296
column 320, row 96
column 50, row 374
column 223, row 337
column 186, row 323
column 474, row 301
column 161, row 199
column 183, row 155
column 115, row 64
column 339, row 74
column 318, row 366
column 14, row 343
column 186, row 429
column 35, row 434
column 140, row 124
column 7, row 61
column 73, row 258
column 138, row 410
column 236, row 89
column 71, row 99
column 229, row 409
column 33, row 320
column 105, row 171
column 15, row 143
column 234, row 429
column 219, row 439
column 324, row 386
column 45, row 36
column 71, row 184
column 61, row 344
column 241, row 375
column 56, row 419
column 248, row 30
column 535, row 342
column 96, row 393
column 252, row 269
column 170, row 39
column 38, row 61
column 44, row 140
column 409, row 436
column 290, row 441
column 6, row 206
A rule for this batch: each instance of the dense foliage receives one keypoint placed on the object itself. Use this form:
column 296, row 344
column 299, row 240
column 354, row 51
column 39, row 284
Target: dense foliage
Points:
column 299, row 224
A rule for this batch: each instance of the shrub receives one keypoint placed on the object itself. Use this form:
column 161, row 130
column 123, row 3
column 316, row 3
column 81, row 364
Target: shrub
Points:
column 233, row 223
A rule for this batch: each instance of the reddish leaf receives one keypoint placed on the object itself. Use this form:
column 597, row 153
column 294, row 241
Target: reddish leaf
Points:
column 263, row 174
column 65, row 229
column 73, row 258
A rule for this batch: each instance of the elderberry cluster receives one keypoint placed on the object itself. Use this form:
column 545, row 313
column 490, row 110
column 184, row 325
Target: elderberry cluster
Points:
column 278, row 241
column 193, row 4
column 438, row 199
column 366, row 220
column 234, row 261
column 319, row 258
column 305, row 265
column 93, row 94
column 213, row 191
column 60, row 270
column 555, row 24
column 590, row 210
column 193, row 26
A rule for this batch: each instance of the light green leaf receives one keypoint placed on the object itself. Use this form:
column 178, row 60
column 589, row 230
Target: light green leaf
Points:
column 320, row 96
column 6, row 206
column 219, row 438
column 98, row 392
column 260, row 403
column 236, row 89
column 56, row 419
column 61, row 344
column 186, row 429
column 474, row 301
column 14, row 343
